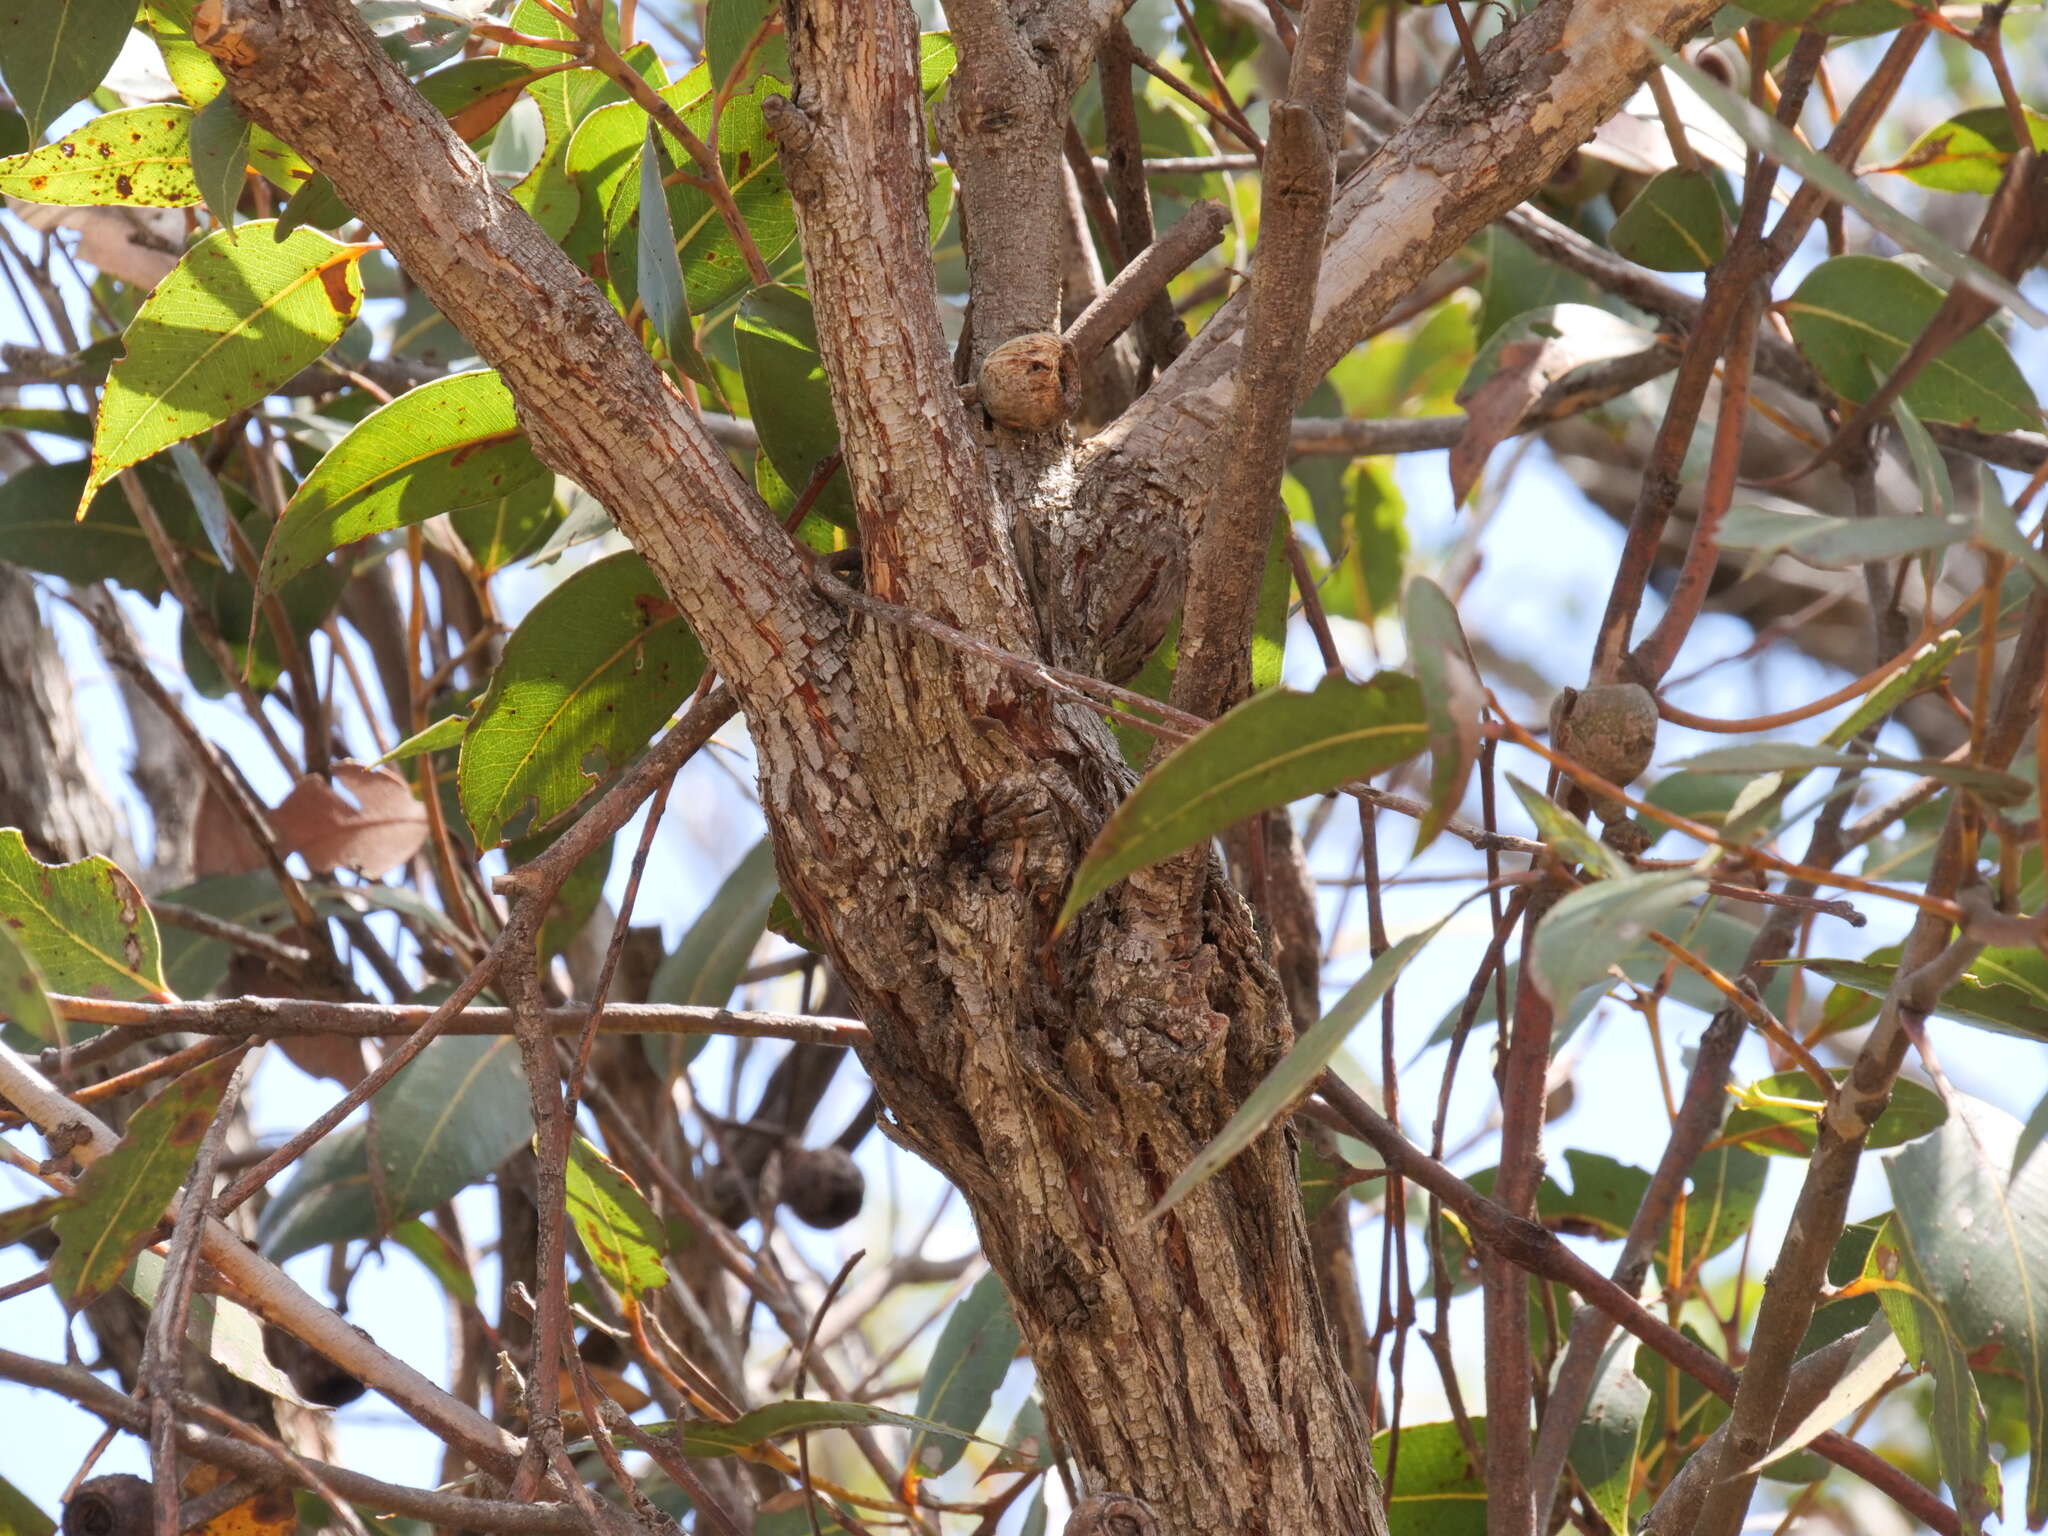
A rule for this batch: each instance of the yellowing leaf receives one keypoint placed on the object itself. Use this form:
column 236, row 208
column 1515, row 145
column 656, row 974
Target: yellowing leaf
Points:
column 139, row 158
column 84, row 925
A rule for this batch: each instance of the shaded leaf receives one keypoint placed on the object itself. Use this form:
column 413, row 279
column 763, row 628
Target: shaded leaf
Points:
column 1284, row 1086
column 365, row 819
column 451, row 1116
column 139, row 157
column 1451, row 698
column 968, row 1363
column 703, row 1437
column 1568, row 837
column 220, row 156
column 619, row 1229
column 235, row 319
column 661, row 274
column 1603, row 1448
column 1272, row 749
column 1877, row 1358
column 585, row 680
column 1593, row 927
column 54, row 53
column 1836, row 541
column 1678, row 223
column 122, row 1196
column 23, row 1220
column 776, row 337
column 1780, row 1114
column 1992, row 786
column 226, row 1331
column 40, row 530
column 706, row 966
column 1969, row 152
column 24, row 999
column 1725, row 1184
column 449, row 445
column 1997, row 527
column 84, row 924
column 502, row 530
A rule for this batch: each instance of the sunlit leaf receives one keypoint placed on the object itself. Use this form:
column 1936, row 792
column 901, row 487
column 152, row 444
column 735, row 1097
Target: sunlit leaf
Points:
column 619, row 1229
column 1678, row 223
column 1781, row 1114
column 239, row 316
column 122, row 1196
column 20, row 1515
column 139, row 157
column 968, row 1363
column 449, row 445
column 1270, row 750
column 83, row 924
column 585, row 680
column 2004, row 990
column 1968, row 152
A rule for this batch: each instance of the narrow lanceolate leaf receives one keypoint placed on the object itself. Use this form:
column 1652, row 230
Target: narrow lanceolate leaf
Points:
column 1678, row 223
column 1997, row 527
column 1570, row 838
column 20, row 1515
column 597, row 665
column 54, row 53
column 661, row 274
column 1781, row 1114
column 1603, row 1449
column 84, row 924
column 1596, row 925
column 1836, row 541
column 24, row 999
column 1855, row 317
column 438, row 737
column 1877, row 1359
column 1763, row 132
column 2005, row 990
column 1286, row 1084
column 1968, row 153
column 1438, row 1489
column 235, row 319
column 705, row 1437
column 1451, row 698
column 1268, row 751
column 122, row 1197
column 968, row 1363
column 449, row 445
column 619, row 1229
column 139, row 157
column 1989, row 784
column 225, row 1330
column 1975, row 1226
column 706, row 966
column 220, row 156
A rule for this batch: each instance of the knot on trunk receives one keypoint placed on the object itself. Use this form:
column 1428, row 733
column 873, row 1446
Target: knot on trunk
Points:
column 1031, row 384
column 1113, row 1514
column 226, row 38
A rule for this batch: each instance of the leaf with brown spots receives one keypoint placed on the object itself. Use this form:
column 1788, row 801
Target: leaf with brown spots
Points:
column 267, row 1512
column 620, row 1231
column 84, row 925
column 122, row 1197
column 136, row 158
column 239, row 315
column 365, row 820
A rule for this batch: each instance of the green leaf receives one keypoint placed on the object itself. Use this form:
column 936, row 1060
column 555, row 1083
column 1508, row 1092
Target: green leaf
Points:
column 438, row 737
column 619, row 1229
column 705, row 1437
column 1269, row 615
column 1268, row 751
column 23, row 1220
column 1780, row 1115
column 1855, row 317
column 1969, row 152
column 1726, row 1184
column 776, row 336
column 220, row 156
column 503, row 530
column 39, row 531
column 1451, row 697
column 20, row 1515
column 194, row 964
column 1603, row 1448
column 585, row 680
column 425, row 1244
column 226, row 1331
column 1997, row 527
column 1764, row 133
column 54, row 54
column 1569, row 838
column 2004, row 990
column 449, row 445
column 122, row 1196
column 1377, row 515
column 706, row 966
column 1678, row 223
column 1593, row 927
column 24, row 1000
column 661, row 274
column 1975, row 1226
column 1438, row 1489
column 1836, row 541
column 728, row 28
column 452, row 1115
column 1835, row 18
column 139, row 157
column 84, row 924
column 1994, row 787
column 235, row 319
column 968, row 1363
column 1284, row 1086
